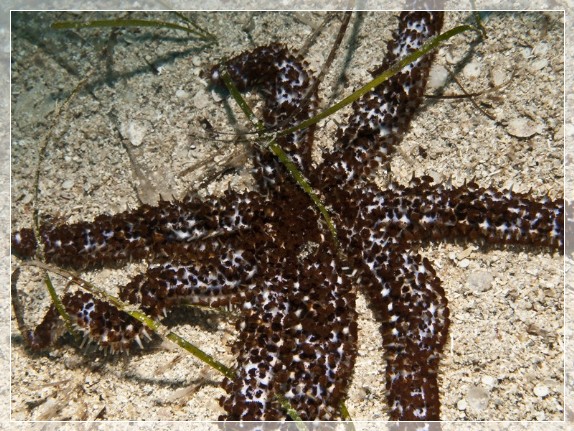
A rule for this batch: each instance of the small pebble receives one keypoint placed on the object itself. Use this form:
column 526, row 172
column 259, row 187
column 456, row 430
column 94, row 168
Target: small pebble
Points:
column 135, row 132
column 461, row 405
column 68, row 184
column 216, row 97
column 480, row 281
column 477, row 398
column 526, row 52
column 532, row 271
column 437, row 178
column 541, row 49
column 559, row 134
column 488, row 381
column 465, row 253
column 539, row 64
column 541, row 391
column 472, row 70
column 200, row 100
column 27, row 198
column 521, row 128
column 181, row 94
column 498, row 77
column 464, row 263
column 452, row 58
column 437, row 77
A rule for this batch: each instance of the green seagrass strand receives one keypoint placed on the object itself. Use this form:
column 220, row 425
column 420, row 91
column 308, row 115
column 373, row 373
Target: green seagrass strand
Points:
column 378, row 80
column 181, row 342
column 60, row 306
column 282, row 156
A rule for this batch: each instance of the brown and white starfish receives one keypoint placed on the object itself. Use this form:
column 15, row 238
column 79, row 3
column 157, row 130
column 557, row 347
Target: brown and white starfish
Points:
column 266, row 253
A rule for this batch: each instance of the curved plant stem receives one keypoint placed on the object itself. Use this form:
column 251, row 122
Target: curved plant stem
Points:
column 282, row 156
column 59, row 306
column 181, row 342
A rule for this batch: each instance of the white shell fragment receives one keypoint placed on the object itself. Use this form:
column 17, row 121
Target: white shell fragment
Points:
column 477, row 398
column 135, row 132
column 480, row 281
column 472, row 70
column 68, row 184
column 541, row 391
column 521, row 128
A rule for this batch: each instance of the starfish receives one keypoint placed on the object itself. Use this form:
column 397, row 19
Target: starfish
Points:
column 267, row 253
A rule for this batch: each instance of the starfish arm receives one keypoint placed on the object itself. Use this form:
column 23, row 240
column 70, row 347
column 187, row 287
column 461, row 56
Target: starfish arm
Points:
column 410, row 302
column 222, row 276
column 298, row 338
column 203, row 258
column 149, row 231
column 284, row 81
column 222, row 279
column 96, row 320
column 381, row 117
column 424, row 210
